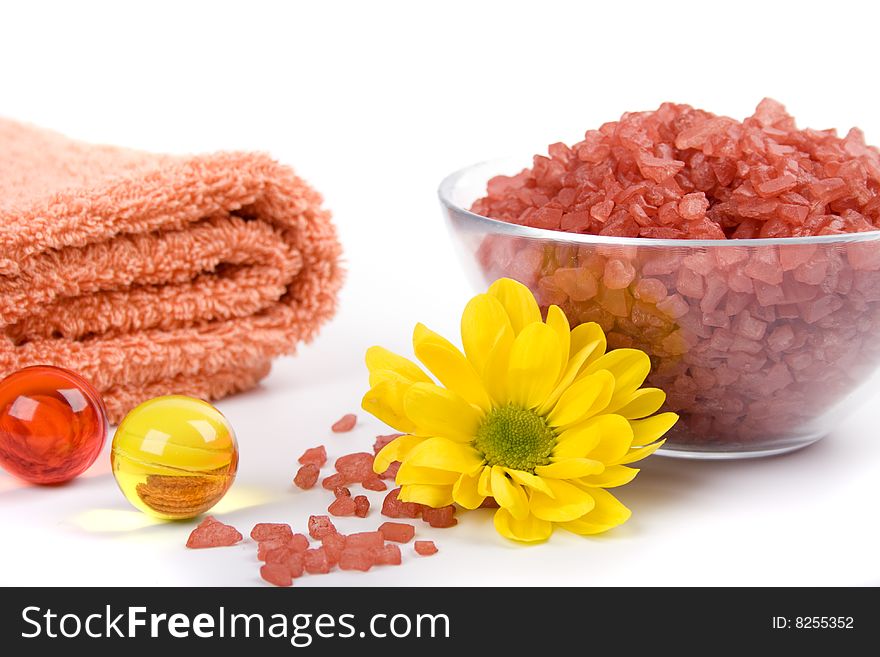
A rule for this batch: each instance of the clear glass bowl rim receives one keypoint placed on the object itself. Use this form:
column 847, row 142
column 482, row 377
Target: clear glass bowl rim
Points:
column 450, row 183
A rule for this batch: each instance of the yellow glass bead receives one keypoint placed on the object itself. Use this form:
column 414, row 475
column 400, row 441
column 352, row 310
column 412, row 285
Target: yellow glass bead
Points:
column 174, row 457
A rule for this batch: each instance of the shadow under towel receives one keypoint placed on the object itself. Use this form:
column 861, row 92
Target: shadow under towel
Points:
column 156, row 274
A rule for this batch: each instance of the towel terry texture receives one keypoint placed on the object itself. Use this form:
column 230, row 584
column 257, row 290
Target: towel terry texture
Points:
column 157, row 274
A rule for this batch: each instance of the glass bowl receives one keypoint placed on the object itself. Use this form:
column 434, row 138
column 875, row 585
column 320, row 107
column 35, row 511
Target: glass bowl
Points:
column 761, row 345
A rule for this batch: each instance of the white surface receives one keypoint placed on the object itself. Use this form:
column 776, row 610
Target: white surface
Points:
column 375, row 103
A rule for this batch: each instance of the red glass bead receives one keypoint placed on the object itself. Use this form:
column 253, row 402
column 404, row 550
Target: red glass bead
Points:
column 52, row 424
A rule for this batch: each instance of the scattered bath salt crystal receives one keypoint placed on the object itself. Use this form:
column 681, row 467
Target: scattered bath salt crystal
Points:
column 296, row 564
column 316, row 562
column 489, row 503
column 278, row 554
column 425, row 548
column 265, row 531
column 382, row 441
column 314, row 456
column 364, row 540
column 320, row 526
column 277, row 574
column 333, row 545
column 442, row 517
column 392, row 507
column 355, row 559
column 265, row 547
column 307, row 476
column 399, row 532
column 356, row 467
column 213, row 533
column 345, row 423
column 374, row 483
column 391, row 472
column 387, row 555
column 361, row 506
column 334, row 481
column 342, row 506
column 341, row 491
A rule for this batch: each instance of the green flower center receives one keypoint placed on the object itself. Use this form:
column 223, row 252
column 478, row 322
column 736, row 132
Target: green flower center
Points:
column 515, row 438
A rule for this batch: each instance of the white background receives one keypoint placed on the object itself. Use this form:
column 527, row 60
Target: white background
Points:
column 374, row 102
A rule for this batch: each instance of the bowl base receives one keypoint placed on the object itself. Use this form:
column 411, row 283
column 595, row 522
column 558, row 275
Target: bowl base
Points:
column 715, row 455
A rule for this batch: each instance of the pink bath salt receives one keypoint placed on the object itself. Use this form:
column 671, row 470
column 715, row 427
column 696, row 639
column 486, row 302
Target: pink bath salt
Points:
column 489, row 503
column 361, row 506
column 277, row 574
column 577, row 282
column 345, row 423
column 355, row 467
column 399, row 532
column 334, row 481
column 650, row 290
column 392, row 507
column 314, row 456
column 333, row 545
column 374, row 483
column 265, row 531
column 342, row 506
column 316, row 562
column 687, row 172
column 307, row 476
column 749, row 327
column 296, row 564
column 425, row 548
column 364, row 540
column 382, row 441
column 213, row 533
column 387, row 555
column 442, row 517
column 356, row 559
column 341, row 491
column 618, row 274
column 277, row 554
column 320, row 526
column 391, row 472
column 674, row 306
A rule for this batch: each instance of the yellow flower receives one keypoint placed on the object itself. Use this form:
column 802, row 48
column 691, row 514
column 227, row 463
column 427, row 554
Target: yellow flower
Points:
column 534, row 414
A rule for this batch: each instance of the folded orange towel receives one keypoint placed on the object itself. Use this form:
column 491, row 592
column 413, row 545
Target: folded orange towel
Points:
column 156, row 274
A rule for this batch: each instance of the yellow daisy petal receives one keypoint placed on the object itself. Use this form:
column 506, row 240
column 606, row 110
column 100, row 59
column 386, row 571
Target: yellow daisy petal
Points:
column 613, row 476
column 629, row 367
column 440, row 412
column 639, row 453
column 529, row 480
column 445, row 454
column 450, row 366
column 604, row 438
column 518, row 302
column 508, row 494
column 484, row 483
column 589, row 333
column 379, row 358
column 466, row 492
column 570, row 468
column 385, row 401
column 495, row 370
column 433, row 496
column 641, row 403
column 396, row 450
column 650, row 429
column 572, row 368
column 607, row 514
column 557, row 320
column 568, row 502
column 528, row 530
column 533, row 369
column 484, row 323
column 585, row 398
column 415, row 474
column 615, row 439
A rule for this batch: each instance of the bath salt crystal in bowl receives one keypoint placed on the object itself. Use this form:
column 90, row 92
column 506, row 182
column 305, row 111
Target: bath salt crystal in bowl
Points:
column 743, row 257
